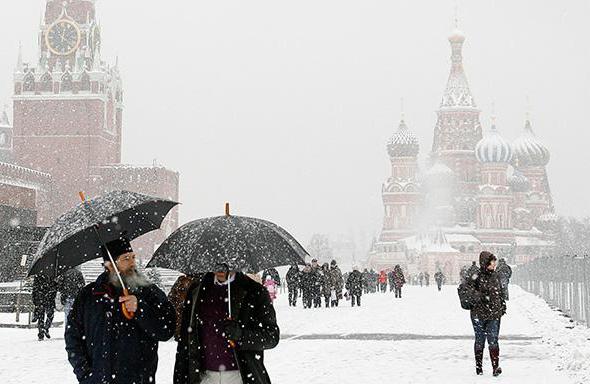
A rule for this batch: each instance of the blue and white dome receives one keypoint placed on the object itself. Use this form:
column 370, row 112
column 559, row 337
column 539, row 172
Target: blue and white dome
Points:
column 528, row 151
column 403, row 143
column 519, row 182
column 493, row 148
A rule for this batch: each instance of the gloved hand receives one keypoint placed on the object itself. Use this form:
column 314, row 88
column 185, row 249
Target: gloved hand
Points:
column 232, row 330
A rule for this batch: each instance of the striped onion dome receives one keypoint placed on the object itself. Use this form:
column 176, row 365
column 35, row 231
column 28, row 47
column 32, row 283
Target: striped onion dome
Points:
column 493, row 148
column 519, row 182
column 403, row 143
column 528, row 151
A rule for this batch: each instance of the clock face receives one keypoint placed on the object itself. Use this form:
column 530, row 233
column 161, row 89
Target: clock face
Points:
column 63, row 37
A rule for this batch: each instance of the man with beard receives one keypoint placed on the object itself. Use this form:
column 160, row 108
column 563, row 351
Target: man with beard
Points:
column 103, row 345
column 205, row 354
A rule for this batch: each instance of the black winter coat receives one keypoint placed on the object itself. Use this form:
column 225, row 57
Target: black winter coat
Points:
column 104, row 347
column 70, row 284
column 491, row 305
column 355, row 283
column 44, row 291
column 293, row 278
column 252, row 308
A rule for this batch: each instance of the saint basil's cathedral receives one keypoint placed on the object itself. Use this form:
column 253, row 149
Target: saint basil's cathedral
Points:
column 479, row 191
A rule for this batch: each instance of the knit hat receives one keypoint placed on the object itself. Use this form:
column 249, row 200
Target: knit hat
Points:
column 116, row 248
column 485, row 258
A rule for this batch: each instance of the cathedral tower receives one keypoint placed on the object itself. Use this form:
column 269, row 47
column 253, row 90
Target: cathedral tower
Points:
column 456, row 133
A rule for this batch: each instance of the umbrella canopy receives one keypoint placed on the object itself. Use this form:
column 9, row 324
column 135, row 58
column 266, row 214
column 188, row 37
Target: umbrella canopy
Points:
column 243, row 243
column 77, row 235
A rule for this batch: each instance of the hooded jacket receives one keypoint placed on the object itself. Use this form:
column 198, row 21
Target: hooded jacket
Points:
column 491, row 305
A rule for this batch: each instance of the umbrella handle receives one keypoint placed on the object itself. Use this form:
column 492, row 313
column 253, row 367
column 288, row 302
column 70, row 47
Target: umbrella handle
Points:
column 128, row 315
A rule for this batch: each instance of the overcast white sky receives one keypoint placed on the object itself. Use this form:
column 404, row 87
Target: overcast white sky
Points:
column 283, row 108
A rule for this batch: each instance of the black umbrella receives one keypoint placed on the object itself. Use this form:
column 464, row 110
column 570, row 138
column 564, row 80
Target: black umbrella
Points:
column 243, row 243
column 77, row 235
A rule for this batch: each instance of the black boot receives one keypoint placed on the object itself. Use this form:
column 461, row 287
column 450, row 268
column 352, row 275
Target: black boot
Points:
column 478, row 361
column 495, row 358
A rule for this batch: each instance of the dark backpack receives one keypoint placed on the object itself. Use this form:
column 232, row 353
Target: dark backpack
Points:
column 469, row 296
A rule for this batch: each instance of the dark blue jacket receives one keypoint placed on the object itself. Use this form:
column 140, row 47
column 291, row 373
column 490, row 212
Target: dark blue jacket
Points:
column 104, row 347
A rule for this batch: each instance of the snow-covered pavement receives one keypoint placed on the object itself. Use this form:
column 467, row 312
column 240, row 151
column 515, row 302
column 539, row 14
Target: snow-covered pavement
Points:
column 423, row 338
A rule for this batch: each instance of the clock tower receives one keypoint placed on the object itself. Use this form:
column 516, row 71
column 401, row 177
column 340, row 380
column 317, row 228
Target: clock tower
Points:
column 68, row 105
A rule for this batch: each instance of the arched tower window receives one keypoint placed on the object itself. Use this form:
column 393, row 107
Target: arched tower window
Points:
column 46, row 83
column 29, row 83
column 66, row 82
column 3, row 139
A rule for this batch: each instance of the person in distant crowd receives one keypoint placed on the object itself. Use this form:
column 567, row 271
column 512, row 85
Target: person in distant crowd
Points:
column 505, row 273
column 104, row 346
column 390, row 280
column 271, row 287
column 316, row 279
column 398, row 280
column 427, row 279
column 421, row 278
column 204, row 354
column 69, row 285
column 439, row 277
column 354, row 285
column 382, row 281
column 43, row 296
column 337, row 283
column 487, row 312
column 326, row 283
column 307, row 286
column 367, row 278
column 274, row 274
column 374, row 280
column 177, row 297
column 293, row 284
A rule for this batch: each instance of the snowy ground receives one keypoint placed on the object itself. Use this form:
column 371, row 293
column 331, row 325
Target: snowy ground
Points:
column 423, row 338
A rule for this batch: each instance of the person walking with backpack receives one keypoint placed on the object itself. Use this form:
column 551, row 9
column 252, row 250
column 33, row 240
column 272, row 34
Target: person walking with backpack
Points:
column 482, row 295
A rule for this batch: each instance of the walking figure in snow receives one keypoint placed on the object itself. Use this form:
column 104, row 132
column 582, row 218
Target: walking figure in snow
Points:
column 103, row 346
column 69, row 285
column 421, row 278
column 316, row 287
column 439, row 277
column 505, row 273
column 382, row 281
column 205, row 354
column 326, row 284
column 307, row 286
column 337, row 283
column 43, row 295
column 293, row 284
column 483, row 296
column 354, row 285
column 398, row 280
column 427, row 279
